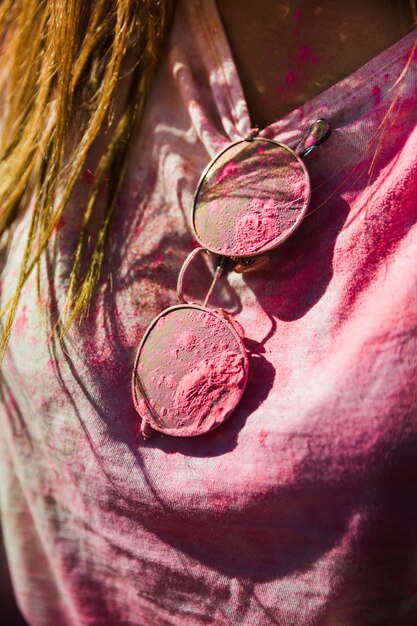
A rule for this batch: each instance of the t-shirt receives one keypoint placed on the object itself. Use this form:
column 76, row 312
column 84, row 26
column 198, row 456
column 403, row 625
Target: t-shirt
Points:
column 301, row 509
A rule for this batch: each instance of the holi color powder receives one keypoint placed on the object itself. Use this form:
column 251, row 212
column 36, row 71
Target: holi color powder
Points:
column 194, row 387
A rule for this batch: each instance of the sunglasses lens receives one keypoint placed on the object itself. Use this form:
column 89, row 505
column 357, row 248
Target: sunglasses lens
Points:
column 191, row 371
column 250, row 199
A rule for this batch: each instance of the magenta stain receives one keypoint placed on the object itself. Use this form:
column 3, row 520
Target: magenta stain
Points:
column 376, row 92
column 290, row 78
column 306, row 55
column 262, row 435
column 157, row 262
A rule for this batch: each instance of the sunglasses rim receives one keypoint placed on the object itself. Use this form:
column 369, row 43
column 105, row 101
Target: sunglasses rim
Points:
column 277, row 241
column 136, row 382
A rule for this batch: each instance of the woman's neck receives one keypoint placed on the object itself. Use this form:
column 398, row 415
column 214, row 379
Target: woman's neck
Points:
column 289, row 51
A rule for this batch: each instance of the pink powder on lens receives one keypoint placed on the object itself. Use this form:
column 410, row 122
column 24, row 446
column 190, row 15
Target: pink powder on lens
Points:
column 186, row 341
column 170, row 381
column 209, row 321
column 209, row 392
column 143, row 408
column 160, row 322
column 214, row 207
column 255, row 230
column 191, row 384
column 264, row 223
column 229, row 169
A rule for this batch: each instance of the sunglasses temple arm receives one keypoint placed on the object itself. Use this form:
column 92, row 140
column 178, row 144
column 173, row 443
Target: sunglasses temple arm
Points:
column 217, row 274
column 180, row 282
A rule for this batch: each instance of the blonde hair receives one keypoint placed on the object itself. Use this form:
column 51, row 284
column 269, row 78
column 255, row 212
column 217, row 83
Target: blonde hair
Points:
column 60, row 56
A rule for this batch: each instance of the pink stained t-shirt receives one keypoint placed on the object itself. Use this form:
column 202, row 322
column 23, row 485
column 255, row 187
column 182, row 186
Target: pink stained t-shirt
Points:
column 301, row 509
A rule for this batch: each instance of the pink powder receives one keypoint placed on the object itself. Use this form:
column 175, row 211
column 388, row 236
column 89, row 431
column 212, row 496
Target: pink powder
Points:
column 265, row 223
column 160, row 322
column 262, row 436
column 209, row 321
column 209, row 392
column 229, row 169
column 214, row 207
column 21, row 321
column 188, row 386
column 143, row 408
column 170, row 381
column 186, row 341
column 254, row 231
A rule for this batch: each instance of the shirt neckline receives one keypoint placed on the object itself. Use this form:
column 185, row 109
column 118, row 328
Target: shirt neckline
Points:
column 360, row 81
